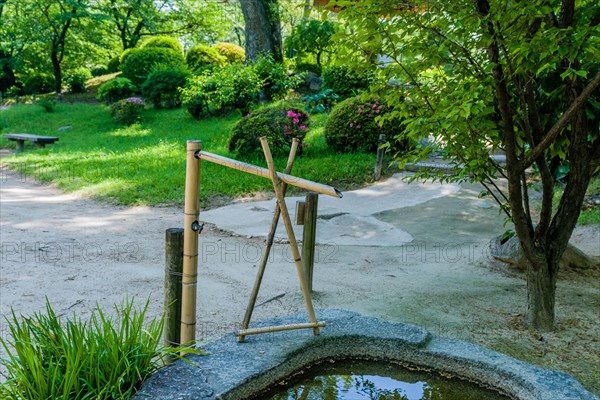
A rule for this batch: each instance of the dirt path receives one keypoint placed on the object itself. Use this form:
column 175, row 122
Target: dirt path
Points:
column 80, row 253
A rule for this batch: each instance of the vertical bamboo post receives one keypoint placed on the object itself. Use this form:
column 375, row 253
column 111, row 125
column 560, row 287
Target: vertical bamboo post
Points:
column 285, row 215
column 173, row 272
column 309, row 236
column 268, row 244
column 379, row 160
column 190, row 244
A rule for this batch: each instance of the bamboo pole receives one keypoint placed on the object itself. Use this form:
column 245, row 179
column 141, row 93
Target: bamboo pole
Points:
column 173, row 272
column 259, row 171
column 280, row 328
column 379, row 160
column 309, row 236
column 290, row 232
column 190, row 244
column 268, row 244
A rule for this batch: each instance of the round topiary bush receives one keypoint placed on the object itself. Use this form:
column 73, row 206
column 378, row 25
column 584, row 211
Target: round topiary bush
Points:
column 161, row 88
column 114, row 65
column 139, row 63
column 37, row 83
column 202, row 56
column 279, row 122
column 76, row 79
column 127, row 111
column 115, row 90
column 344, row 81
column 232, row 52
column 353, row 125
column 166, row 42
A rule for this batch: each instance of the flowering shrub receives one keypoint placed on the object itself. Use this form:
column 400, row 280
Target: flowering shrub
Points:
column 127, row 111
column 354, row 125
column 279, row 122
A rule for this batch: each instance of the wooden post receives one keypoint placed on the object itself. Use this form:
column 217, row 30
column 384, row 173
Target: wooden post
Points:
column 309, row 238
column 268, row 245
column 285, row 215
column 379, row 160
column 173, row 272
column 190, row 244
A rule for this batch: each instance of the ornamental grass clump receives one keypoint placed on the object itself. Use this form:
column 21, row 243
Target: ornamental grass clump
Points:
column 104, row 358
column 127, row 111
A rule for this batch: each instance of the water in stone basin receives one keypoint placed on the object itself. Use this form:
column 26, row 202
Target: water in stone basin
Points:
column 358, row 380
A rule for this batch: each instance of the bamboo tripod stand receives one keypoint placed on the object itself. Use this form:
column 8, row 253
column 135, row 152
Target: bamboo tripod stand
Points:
column 192, row 228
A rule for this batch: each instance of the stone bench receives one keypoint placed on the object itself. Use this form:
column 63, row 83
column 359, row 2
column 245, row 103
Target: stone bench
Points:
column 20, row 138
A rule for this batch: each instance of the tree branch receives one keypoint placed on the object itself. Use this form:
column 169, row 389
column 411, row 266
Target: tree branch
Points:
column 561, row 123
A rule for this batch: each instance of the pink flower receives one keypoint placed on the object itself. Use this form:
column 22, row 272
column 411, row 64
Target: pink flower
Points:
column 302, row 127
column 377, row 111
column 372, row 108
column 290, row 114
column 370, row 115
column 296, row 120
column 351, row 125
column 358, row 127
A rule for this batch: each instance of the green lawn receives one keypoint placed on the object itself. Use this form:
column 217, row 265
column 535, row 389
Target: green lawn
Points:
column 145, row 163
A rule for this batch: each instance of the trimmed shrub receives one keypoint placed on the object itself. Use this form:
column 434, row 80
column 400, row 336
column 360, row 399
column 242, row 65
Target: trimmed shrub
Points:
column 116, row 89
column 99, row 70
column 279, row 122
column 76, row 80
column 37, row 83
column 123, row 57
column 234, row 86
column 114, row 65
column 127, row 111
column 232, row 52
column 162, row 87
column 202, row 56
column 276, row 81
column 166, row 42
column 355, row 125
column 47, row 104
column 140, row 62
column 344, row 81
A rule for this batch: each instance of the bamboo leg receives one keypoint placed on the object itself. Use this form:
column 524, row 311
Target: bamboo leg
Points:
column 290, row 232
column 268, row 245
column 190, row 245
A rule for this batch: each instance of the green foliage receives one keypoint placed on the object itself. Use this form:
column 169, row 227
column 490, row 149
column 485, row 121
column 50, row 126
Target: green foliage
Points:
column 356, row 123
column 201, row 56
column 233, row 86
column 38, row 83
column 162, row 87
column 127, row 111
column 104, row 358
column 278, row 122
column 167, row 42
column 116, row 89
column 140, row 62
column 99, row 70
column 76, row 79
column 48, row 104
column 123, row 57
column 276, row 82
column 308, row 67
column 311, row 36
column 232, row 52
column 142, row 164
column 345, row 80
column 114, row 65
column 320, row 102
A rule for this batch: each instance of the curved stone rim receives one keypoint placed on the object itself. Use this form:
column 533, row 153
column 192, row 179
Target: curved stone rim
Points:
column 232, row 370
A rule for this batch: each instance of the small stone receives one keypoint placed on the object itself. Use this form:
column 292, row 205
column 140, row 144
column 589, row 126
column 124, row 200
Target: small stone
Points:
column 65, row 128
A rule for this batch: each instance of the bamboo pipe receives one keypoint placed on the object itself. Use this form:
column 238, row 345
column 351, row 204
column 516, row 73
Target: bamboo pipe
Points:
column 268, row 244
column 256, row 170
column 279, row 328
column 190, row 245
column 290, row 232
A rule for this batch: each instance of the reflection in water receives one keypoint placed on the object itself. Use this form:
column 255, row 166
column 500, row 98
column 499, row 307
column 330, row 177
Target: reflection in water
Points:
column 358, row 380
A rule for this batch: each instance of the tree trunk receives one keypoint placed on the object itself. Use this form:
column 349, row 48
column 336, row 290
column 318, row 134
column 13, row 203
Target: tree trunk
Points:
column 263, row 31
column 541, row 290
column 57, row 70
